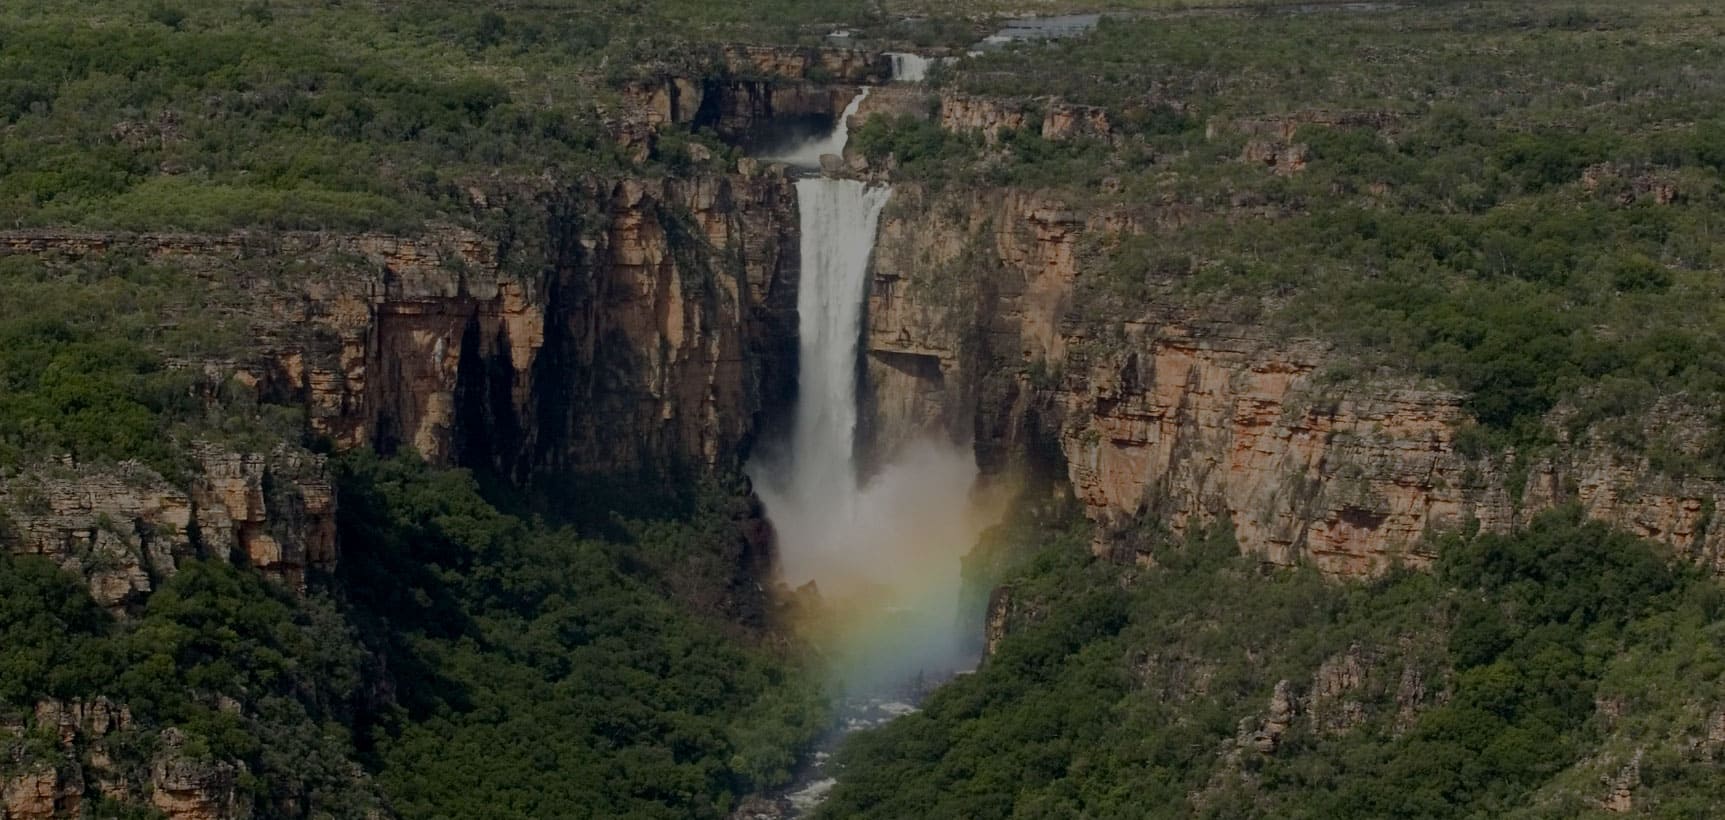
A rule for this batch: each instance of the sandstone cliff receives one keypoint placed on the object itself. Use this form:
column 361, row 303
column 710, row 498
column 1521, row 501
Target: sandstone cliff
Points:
column 981, row 320
column 639, row 327
column 739, row 90
column 124, row 527
column 961, row 113
column 84, row 736
column 609, row 329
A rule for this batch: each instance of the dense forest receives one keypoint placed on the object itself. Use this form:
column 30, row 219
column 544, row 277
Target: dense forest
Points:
column 480, row 664
column 1213, row 686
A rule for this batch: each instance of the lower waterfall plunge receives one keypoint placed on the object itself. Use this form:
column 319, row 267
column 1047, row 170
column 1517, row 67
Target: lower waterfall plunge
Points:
column 884, row 554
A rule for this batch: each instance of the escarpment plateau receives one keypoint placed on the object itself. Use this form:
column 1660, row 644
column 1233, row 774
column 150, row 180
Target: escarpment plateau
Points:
column 984, row 318
column 630, row 328
column 645, row 326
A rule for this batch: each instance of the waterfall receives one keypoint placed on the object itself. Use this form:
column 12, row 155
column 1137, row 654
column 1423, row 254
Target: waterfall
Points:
column 909, row 68
column 838, row 219
column 883, row 554
column 808, row 154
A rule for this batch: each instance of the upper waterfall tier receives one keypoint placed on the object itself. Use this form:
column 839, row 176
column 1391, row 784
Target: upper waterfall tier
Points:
column 808, row 154
column 909, row 68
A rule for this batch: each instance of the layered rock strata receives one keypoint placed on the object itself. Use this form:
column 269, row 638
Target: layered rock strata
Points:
column 85, row 736
column 642, row 329
column 981, row 320
column 739, row 90
column 124, row 528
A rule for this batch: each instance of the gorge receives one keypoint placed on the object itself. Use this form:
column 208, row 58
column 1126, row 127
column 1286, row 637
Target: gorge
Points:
column 885, row 546
column 528, row 412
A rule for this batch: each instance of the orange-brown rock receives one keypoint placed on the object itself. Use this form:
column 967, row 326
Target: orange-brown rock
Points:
column 1270, row 138
column 989, row 116
column 1280, row 157
column 734, row 108
column 184, row 788
column 123, row 527
column 1064, row 121
column 1334, row 701
column 997, row 620
column 643, row 330
column 842, row 65
column 41, row 792
column 985, row 115
column 896, row 101
column 978, row 322
column 1626, row 185
column 738, row 89
column 81, row 728
column 1620, row 789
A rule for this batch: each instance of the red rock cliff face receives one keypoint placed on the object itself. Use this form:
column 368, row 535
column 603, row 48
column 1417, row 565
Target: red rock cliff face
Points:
column 986, row 116
column 647, row 329
column 677, row 321
column 979, row 322
column 632, row 339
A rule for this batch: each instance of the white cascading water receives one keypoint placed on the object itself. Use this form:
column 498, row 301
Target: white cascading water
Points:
column 885, row 554
column 818, row 493
column 909, row 68
column 808, row 154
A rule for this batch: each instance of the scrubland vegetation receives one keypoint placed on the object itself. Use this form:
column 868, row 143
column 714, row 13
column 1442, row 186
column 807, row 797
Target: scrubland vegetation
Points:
column 1517, row 201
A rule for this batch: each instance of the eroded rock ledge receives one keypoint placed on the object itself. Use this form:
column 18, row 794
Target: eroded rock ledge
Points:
column 1160, row 413
column 646, row 330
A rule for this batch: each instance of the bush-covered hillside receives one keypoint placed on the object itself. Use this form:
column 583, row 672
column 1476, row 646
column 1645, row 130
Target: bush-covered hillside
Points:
column 1516, row 200
column 205, row 115
column 1521, row 679
column 465, row 663
column 87, row 365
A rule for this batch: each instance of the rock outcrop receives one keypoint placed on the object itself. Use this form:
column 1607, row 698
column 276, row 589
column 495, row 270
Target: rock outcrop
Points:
column 1334, row 702
column 643, row 328
column 983, row 320
column 124, row 527
column 987, row 116
column 1620, row 790
column 1270, row 140
column 41, row 792
column 1264, row 736
column 51, row 786
column 186, row 788
column 739, row 90
column 735, row 109
column 1064, row 121
column 836, row 65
